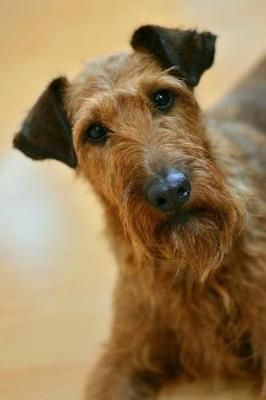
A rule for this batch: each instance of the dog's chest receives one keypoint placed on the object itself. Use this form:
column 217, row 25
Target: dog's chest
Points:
column 212, row 334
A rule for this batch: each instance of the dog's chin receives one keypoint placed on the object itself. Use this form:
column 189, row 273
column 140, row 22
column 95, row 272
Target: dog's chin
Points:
column 198, row 235
column 195, row 236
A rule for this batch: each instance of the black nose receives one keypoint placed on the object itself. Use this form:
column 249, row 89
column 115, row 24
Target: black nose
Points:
column 170, row 191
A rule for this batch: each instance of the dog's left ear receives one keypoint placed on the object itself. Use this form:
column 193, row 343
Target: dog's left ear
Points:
column 190, row 51
column 46, row 132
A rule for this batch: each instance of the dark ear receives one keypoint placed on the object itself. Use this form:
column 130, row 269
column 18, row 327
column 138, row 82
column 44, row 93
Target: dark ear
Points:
column 191, row 51
column 46, row 131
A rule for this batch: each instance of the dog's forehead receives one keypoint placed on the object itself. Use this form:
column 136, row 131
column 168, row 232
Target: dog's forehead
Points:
column 118, row 68
column 107, row 74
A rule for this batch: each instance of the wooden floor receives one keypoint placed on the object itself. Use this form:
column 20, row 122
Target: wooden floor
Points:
column 56, row 269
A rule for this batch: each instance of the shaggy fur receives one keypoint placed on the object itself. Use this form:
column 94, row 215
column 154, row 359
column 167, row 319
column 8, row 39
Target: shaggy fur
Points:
column 191, row 291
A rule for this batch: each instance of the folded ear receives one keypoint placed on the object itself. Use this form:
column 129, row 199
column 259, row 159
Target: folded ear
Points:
column 189, row 50
column 46, row 131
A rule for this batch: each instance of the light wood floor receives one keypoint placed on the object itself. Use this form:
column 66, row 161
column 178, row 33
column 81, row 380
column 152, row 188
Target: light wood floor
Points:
column 56, row 269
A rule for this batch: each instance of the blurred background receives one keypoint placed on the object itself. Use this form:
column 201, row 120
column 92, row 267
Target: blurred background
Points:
column 56, row 269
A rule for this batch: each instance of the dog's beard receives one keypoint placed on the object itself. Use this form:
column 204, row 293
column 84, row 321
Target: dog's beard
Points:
column 201, row 242
column 199, row 235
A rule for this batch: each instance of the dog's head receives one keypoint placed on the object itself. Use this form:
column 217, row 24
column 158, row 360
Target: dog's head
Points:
column 130, row 123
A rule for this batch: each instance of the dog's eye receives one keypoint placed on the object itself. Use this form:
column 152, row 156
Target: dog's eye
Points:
column 95, row 134
column 163, row 100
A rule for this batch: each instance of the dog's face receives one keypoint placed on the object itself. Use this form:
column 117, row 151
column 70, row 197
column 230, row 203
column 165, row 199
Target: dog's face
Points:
column 131, row 125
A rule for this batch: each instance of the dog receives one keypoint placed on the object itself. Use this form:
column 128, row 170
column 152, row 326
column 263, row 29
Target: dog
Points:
column 184, row 201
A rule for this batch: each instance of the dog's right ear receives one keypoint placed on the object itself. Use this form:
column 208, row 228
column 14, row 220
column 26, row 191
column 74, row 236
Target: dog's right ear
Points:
column 46, row 132
column 188, row 50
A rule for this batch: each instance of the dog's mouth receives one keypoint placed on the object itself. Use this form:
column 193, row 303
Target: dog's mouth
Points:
column 181, row 218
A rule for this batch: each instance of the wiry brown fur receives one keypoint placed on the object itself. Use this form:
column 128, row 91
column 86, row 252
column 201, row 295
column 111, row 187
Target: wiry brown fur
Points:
column 191, row 297
column 191, row 292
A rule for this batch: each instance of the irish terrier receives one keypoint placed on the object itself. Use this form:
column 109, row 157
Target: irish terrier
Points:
column 184, row 199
